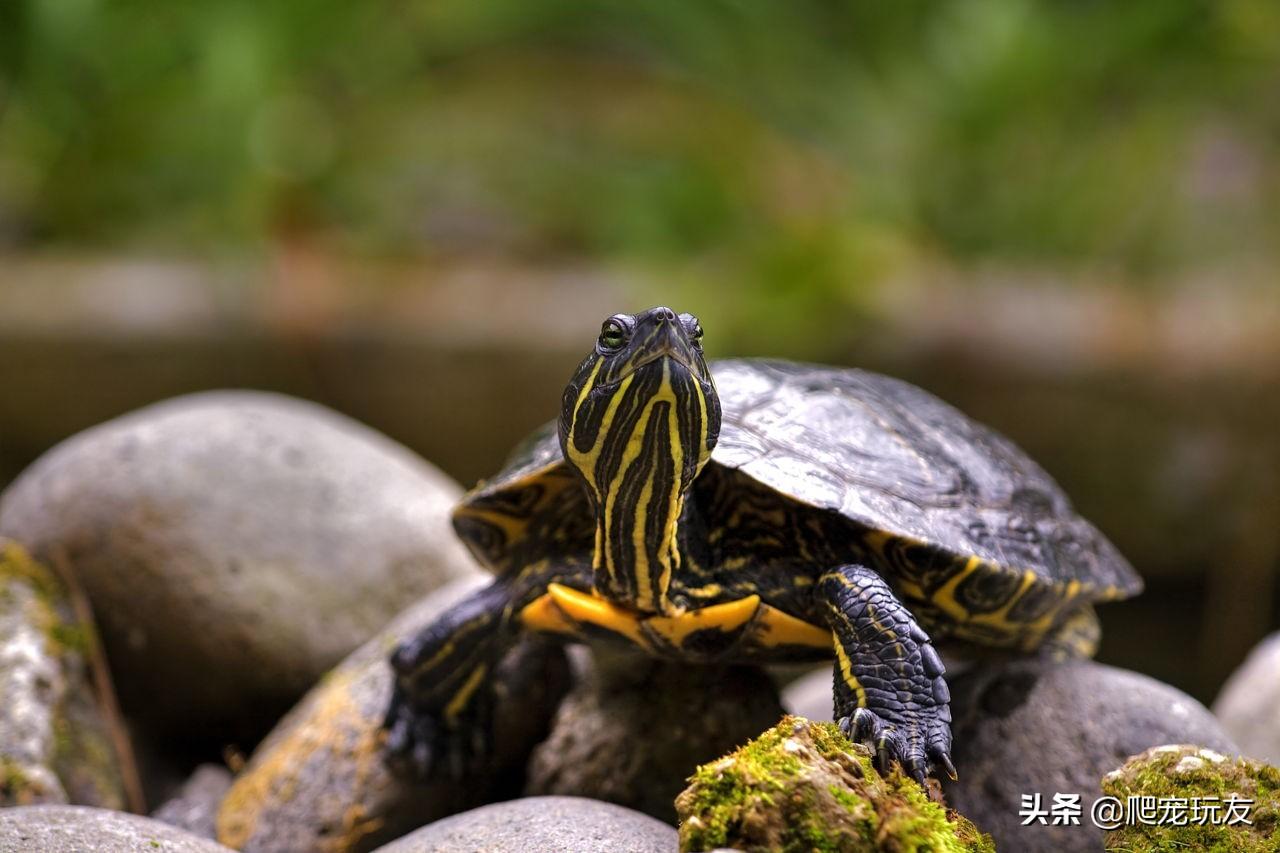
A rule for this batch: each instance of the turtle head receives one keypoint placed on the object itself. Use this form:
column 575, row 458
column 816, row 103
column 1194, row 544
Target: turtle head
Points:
column 638, row 422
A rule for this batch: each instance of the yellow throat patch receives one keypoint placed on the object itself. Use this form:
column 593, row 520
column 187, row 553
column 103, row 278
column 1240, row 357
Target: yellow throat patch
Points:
column 567, row 611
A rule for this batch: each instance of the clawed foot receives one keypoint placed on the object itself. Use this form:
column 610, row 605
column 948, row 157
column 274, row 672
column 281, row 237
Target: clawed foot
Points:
column 421, row 745
column 920, row 742
column 915, row 734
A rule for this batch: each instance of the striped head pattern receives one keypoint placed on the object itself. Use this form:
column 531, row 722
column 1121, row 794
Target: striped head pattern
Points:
column 638, row 421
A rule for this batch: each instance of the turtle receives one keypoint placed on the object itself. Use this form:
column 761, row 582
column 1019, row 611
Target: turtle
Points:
column 751, row 511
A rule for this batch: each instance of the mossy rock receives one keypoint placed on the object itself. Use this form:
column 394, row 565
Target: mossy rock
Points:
column 320, row 782
column 56, row 740
column 804, row 786
column 1192, row 772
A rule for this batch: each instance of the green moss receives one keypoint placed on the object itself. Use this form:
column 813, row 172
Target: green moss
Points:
column 72, row 637
column 12, row 779
column 65, row 635
column 18, row 787
column 1191, row 772
column 17, row 564
column 804, row 786
column 844, row 797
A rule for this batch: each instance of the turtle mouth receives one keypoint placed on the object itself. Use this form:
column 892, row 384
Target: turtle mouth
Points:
column 664, row 342
column 604, row 389
column 672, row 352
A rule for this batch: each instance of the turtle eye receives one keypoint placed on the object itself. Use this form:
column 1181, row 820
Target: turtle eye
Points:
column 694, row 329
column 612, row 335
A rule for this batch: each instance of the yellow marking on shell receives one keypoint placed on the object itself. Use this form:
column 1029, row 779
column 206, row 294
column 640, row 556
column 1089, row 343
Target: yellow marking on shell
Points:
column 846, row 671
column 585, row 609
column 877, row 539
column 727, row 617
column 1028, row 635
column 542, row 614
column 945, row 596
column 783, row 629
column 912, row 589
column 463, row 696
column 1000, row 618
column 511, row 526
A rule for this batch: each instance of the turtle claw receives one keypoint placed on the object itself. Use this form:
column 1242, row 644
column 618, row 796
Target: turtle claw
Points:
column 413, row 741
column 919, row 743
column 942, row 759
column 421, row 746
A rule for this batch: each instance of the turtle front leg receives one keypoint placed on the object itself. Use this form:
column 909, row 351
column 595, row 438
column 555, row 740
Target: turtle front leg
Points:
column 889, row 690
column 440, row 716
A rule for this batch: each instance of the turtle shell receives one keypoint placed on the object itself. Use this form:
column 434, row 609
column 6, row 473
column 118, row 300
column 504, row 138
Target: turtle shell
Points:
column 913, row 471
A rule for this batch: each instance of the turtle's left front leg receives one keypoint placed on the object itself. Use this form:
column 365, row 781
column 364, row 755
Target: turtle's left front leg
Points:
column 889, row 690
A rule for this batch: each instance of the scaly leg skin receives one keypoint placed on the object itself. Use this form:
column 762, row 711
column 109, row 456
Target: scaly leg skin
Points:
column 440, row 717
column 889, row 690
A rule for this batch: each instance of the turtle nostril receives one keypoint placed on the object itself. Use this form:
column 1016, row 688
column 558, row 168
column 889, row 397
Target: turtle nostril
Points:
column 663, row 315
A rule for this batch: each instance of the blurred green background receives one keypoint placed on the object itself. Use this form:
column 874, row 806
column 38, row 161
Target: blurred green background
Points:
column 1061, row 216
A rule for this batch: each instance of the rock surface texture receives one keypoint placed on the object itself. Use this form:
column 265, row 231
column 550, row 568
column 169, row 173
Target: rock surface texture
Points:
column 633, row 728
column 562, row 824
column 195, row 807
column 1249, row 705
column 803, row 786
column 235, row 545
column 1217, row 803
column 320, row 781
column 1033, row 727
column 76, row 829
column 55, row 740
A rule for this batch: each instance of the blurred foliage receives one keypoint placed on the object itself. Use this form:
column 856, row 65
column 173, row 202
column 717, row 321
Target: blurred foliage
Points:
column 758, row 145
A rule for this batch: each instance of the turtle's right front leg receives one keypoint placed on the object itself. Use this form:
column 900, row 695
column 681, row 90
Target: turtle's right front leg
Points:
column 440, row 715
column 440, row 718
column 889, row 689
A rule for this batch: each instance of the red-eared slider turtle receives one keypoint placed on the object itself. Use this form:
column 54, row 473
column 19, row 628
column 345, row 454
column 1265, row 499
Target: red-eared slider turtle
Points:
column 781, row 512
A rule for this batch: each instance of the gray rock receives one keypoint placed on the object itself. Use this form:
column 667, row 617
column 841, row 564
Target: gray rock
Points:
column 562, row 824
column 75, row 829
column 235, row 545
column 320, row 780
column 810, row 695
column 633, row 729
column 195, row 808
column 56, row 742
column 1036, row 727
column 1247, row 704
